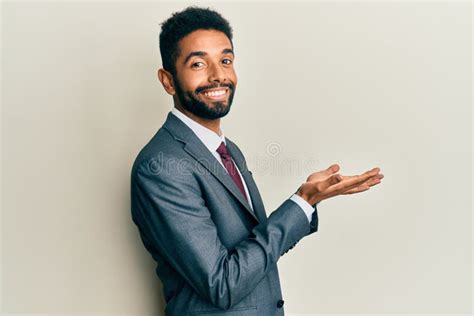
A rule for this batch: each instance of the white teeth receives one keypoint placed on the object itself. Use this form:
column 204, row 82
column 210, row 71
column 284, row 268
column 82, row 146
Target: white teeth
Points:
column 214, row 93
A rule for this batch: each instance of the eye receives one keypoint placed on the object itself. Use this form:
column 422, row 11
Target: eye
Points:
column 227, row 61
column 196, row 64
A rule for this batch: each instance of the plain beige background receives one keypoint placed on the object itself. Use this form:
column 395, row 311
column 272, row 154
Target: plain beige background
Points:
column 362, row 84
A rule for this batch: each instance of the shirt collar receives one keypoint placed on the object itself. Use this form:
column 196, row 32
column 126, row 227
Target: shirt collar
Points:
column 209, row 138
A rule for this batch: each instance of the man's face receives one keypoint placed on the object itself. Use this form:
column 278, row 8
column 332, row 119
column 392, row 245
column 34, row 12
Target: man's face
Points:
column 205, row 79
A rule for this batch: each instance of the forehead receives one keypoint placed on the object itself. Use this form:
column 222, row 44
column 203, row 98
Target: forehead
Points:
column 210, row 41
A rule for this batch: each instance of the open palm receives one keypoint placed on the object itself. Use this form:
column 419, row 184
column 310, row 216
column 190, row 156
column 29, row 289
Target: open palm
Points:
column 327, row 183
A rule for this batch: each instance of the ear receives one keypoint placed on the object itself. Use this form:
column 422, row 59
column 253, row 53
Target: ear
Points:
column 166, row 80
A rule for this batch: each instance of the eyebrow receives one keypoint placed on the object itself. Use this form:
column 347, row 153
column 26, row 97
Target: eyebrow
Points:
column 201, row 53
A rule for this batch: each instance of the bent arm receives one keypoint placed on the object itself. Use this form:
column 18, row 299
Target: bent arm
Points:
column 172, row 214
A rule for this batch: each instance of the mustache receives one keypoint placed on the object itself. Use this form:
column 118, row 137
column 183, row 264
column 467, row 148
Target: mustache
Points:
column 222, row 85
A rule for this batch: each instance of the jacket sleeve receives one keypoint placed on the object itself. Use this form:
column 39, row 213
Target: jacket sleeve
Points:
column 169, row 209
column 313, row 227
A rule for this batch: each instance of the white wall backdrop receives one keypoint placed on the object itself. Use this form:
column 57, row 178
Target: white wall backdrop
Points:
column 362, row 84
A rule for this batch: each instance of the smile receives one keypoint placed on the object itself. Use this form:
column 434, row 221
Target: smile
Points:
column 216, row 94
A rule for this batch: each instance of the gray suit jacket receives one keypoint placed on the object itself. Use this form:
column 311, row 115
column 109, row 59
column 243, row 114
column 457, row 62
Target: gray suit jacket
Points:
column 214, row 254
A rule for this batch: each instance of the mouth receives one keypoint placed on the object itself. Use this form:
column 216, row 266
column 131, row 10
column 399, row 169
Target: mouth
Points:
column 216, row 94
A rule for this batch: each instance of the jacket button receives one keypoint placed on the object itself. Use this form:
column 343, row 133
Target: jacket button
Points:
column 280, row 303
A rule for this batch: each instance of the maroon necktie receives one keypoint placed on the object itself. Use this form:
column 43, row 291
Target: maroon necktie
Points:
column 231, row 169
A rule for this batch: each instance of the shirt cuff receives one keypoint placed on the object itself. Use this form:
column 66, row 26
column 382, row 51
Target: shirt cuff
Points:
column 307, row 208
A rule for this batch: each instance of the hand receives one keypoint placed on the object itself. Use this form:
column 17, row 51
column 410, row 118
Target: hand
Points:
column 325, row 184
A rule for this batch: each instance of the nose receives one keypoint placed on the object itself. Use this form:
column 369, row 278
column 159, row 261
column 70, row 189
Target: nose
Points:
column 217, row 73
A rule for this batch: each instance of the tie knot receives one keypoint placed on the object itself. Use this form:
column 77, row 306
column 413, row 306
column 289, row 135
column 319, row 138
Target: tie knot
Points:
column 222, row 150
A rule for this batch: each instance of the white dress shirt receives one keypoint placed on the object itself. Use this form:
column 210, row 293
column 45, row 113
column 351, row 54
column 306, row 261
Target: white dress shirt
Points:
column 212, row 141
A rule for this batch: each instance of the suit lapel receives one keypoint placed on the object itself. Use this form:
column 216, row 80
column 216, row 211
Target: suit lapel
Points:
column 258, row 206
column 194, row 147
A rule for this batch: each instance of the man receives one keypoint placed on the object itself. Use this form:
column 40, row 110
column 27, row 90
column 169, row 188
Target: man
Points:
column 195, row 203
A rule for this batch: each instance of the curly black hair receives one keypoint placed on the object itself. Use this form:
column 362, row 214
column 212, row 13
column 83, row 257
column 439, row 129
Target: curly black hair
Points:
column 183, row 23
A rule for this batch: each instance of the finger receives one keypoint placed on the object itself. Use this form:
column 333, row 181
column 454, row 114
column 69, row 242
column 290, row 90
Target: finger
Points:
column 352, row 182
column 374, row 171
column 356, row 190
column 332, row 180
column 325, row 173
column 366, row 185
column 375, row 180
column 321, row 186
column 349, row 177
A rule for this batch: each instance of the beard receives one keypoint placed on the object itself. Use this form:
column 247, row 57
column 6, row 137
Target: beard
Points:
column 190, row 101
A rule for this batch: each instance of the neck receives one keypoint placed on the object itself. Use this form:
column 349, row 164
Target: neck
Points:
column 213, row 125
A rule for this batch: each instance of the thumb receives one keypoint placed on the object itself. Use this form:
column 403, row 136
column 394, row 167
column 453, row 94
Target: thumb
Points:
column 332, row 169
